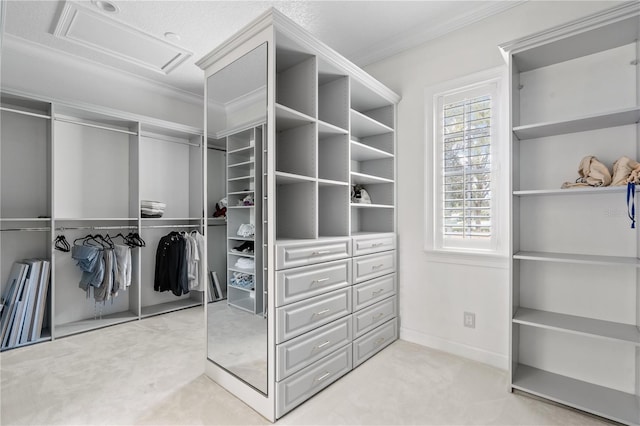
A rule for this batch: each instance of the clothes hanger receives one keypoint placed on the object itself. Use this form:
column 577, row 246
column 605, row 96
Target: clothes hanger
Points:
column 61, row 244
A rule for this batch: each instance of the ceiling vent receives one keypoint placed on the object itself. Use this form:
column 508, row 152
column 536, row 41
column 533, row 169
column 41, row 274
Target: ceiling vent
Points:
column 99, row 32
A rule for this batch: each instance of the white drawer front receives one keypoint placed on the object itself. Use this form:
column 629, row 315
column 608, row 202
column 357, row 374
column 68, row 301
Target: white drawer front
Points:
column 301, row 283
column 369, row 344
column 300, row 317
column 369, row 292
column 301, row 386
column 373, row 265
column 294, row 355
column 373, row 244
column 290, row 255
column 371, row 317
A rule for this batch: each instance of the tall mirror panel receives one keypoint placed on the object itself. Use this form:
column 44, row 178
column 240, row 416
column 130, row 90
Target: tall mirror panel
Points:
column 236, row 128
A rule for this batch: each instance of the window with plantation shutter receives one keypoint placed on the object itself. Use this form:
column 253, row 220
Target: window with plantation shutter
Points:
column 464, row 170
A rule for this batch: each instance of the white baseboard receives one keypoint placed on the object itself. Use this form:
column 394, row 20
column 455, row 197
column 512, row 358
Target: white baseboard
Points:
column 491, row 358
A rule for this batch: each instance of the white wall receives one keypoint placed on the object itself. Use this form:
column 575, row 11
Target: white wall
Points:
column 53, row 76
column 434, row 295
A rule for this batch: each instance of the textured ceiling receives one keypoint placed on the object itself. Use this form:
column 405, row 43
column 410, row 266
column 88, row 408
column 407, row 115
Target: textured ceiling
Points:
column 363, row 31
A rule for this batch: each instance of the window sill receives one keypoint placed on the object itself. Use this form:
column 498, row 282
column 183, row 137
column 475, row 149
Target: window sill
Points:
column 486, row 260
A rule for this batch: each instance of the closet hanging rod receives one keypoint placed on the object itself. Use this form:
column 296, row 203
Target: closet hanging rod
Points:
column 26, row 229
column 30, row 114
column 170, row 226
column 96, row 228
column 157, row 137
column 215, row 148
column 96, row 126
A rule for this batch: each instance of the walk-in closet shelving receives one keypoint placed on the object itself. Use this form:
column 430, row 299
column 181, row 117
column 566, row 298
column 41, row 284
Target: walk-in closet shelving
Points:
column 310, row 223
column 216, row 232
column 89, row 169
column 372, row 161
column 244, row 268
column 575, row 278
column 25, row 194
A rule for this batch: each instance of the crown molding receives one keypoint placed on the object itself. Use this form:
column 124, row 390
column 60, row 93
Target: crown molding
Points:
column 605, row 17
column 23, row 47
column 414, row 37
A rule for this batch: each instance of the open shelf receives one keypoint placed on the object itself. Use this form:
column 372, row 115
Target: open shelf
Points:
column 246, row 303
column 578, row 325
column 620, row 117
column 363, row 126
column 243, row 271
column 372, row 206
column 329, row 182
column 361, row 178
column 288, row 118
column 234, row 179
column 248, row 290
column 288, row 178
column 326, row 129
column 81, row 326
column 586, row 259
column 586, row 190
column 362, row 152
column 595, row 399
column 163, row 308
column 246, row 149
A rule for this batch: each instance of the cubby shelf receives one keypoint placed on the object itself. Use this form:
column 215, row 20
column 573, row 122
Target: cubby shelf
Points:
column 579, row 124
column 288, row 118
column 372, row 206
column 241, row 150
column 327, row 129
column 599, row 400
column 362, row 152
column 626, row 333
column 329, row 182
column 361, row 178
column 363, row 126
column 234, row 179
column 243, row 163
column 241, row 270
column 286, row 178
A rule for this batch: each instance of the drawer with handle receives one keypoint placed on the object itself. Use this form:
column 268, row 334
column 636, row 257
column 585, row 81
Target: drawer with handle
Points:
column 368, row 244
column 292, row 254
column 369, row 292
column 369, row 344
column 295, row 354
column 373, row 265
column 301, row 283
column 296, row 389
column 371, row 317
column 300, row 317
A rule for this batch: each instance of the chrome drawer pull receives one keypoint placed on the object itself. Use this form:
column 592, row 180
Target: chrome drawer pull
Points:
column 377, row 244
column 324, row 376
column 376, row 267
column 322, row 345
column 379, row 341
column 319, row 252
column 322, row 312
column 376, row 292
column 378, row 316
column 320, row 281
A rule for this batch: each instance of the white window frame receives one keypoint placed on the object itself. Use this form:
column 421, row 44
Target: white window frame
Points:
column 436, row 244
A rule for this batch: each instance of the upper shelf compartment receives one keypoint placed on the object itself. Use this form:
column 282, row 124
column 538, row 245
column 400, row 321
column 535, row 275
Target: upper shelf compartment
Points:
column 579, row 124
column 296, row 78
column 363, row 126
column 567, row 43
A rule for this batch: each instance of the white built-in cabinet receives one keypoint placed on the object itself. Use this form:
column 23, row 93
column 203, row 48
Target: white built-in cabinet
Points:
column 75, row 171
column 329, row 264
column 575, row 290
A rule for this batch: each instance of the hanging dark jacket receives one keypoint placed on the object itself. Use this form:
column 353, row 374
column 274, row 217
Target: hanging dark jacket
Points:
column 171, row 265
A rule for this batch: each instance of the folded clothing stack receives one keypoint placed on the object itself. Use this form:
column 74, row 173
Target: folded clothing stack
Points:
column 151, row 209
column 242, row 280
column 245, row 263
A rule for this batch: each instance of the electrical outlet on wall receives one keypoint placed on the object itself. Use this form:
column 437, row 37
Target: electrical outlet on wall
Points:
column 470, row 319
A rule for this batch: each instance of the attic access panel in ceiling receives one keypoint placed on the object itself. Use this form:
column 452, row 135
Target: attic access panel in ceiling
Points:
column 96, row 31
